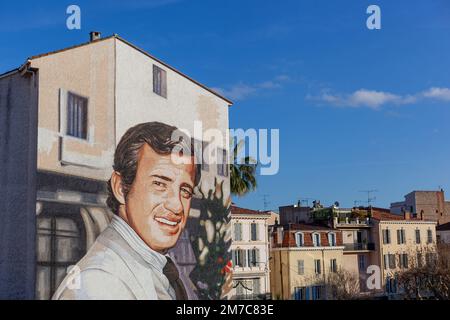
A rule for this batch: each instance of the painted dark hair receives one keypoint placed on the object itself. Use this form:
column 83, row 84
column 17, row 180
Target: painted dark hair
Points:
column 159, row 137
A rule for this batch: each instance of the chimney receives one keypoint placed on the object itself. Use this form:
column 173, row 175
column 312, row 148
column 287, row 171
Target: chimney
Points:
column 406, row 215
column 280, row 236
column 95, row 35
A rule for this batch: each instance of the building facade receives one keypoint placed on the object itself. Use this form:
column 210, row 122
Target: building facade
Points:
column 403, row 242
column 426, row 205
column 71, row 107
column 250, row 254
column 302, row 257
column 443, row 233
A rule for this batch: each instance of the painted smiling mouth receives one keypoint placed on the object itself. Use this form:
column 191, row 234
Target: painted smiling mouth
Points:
column 168, row 222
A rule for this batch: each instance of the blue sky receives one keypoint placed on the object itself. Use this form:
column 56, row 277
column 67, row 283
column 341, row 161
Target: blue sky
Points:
column 357, row 109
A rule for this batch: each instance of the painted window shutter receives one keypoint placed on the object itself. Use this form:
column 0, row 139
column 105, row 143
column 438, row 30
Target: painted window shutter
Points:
column 306, row 293
column 244, row 258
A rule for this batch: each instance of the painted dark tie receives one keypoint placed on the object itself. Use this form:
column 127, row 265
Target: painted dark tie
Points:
column 171, row 272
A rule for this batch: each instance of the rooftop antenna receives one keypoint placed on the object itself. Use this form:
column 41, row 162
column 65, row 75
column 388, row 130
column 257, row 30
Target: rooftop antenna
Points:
column 356, row 202
column 369, row 198
column 266, row 201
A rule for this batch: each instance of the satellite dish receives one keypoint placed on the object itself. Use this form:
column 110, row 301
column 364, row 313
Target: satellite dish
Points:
column 336, row 204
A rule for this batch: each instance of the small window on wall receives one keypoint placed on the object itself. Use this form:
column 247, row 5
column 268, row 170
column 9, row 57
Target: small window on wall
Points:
column 77, row 113
column 317, row 266
column 333, row 265
column 159, row 81
column 254, row 231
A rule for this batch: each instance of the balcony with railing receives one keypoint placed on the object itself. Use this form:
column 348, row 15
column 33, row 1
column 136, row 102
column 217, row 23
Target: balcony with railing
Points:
column 370, row 246
column 352, row 222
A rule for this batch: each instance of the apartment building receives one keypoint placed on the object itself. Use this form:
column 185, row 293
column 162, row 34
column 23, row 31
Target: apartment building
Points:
column 402, row 242
column 294, row 214
column 250, row 254
column 302, row 257
column 443, row 233
column 357, row 238
column 426, row 205
column 62, row 114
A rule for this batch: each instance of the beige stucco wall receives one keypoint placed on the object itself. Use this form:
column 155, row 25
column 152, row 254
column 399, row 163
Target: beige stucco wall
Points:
column 262, row 244
column 87, row 71
column 409, row 247
column 186, row 102
column 287, row 268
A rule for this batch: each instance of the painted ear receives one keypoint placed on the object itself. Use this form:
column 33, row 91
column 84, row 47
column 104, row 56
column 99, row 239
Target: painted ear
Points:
column 116, row 186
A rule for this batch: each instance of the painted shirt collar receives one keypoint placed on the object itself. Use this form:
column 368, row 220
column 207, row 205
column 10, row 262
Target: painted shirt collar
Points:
column 152, row 257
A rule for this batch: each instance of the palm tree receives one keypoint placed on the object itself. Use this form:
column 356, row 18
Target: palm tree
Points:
column 242, row 173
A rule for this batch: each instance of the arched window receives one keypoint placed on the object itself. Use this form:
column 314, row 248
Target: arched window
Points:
column 299, row 239
column 61, row 243
column 316, row 239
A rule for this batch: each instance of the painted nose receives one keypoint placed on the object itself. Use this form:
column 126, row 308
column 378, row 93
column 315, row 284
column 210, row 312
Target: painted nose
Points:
column 173, row 203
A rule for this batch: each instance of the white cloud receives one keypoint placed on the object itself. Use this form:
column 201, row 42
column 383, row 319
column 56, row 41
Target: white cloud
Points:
column 238, row 91
column 241, row 91
column 438, row 93
column 373, row 99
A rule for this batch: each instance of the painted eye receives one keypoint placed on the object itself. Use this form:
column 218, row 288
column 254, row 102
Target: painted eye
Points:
column 186, row 193
column 159, row 185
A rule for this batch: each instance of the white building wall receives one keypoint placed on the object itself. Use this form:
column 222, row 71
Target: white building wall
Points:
column 262, row 269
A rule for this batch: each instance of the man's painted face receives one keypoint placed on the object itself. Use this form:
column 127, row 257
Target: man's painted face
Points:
column 158, row 203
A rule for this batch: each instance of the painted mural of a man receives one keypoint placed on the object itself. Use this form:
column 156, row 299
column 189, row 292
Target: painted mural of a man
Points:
column 150, row 194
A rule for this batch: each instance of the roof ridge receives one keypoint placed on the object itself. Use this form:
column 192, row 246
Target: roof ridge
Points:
column 116, row 36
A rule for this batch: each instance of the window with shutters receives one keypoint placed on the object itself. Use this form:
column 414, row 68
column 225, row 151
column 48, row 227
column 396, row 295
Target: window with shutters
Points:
column 317, row 266
column 386, row 261
column 333, row 265
column 238, row 256
column 429, row 236
column 254, row 231
column 386, row 236
column 77, row 116
column 238, row 231
column 301, row 267
column 391, row 261
column 401, row 239
column 253, row 257
column 243, row 255
column 159, row 81
column 403, row 260
column 300, row 293
column 419, row 260
column 316, row 292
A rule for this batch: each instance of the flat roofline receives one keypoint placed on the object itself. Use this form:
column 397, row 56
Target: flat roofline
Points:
column 230, row 103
